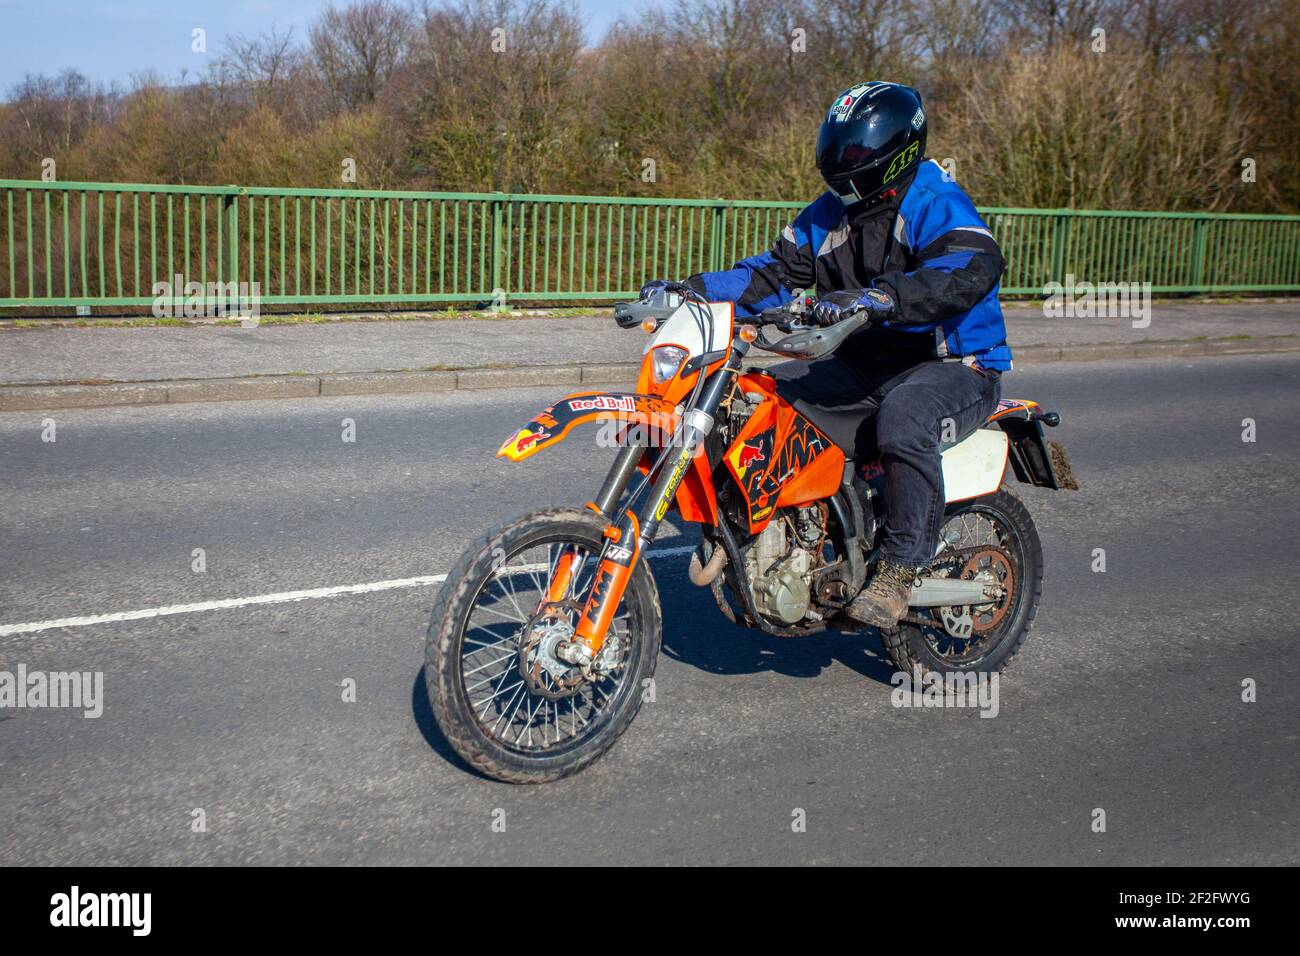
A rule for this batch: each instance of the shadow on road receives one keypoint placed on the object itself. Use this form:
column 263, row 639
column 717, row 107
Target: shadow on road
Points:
column 429, row 729
column 696, row 633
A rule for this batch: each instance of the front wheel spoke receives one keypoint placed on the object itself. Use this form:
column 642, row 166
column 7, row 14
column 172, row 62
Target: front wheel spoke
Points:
column 579, row 721
column 503, row 614
column 528, row 723
column 488, row 700
column 522, row 695
column 500, row 680
column 486, row 666
column 532, row 573
column 486, row 680
column 510, row 596
column 486, row 647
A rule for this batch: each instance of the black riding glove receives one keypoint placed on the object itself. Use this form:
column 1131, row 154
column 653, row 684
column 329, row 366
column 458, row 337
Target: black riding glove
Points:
column 836, row 306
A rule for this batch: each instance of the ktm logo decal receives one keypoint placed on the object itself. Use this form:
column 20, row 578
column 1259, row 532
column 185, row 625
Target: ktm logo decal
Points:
column 601, row 592
column 801, row 448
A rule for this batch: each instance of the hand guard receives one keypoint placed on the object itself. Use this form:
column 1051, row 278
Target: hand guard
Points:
column 653, row 287
column 836, row 306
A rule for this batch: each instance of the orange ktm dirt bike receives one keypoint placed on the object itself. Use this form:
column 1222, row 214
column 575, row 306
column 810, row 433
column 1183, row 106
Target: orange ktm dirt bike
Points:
column 548, row 629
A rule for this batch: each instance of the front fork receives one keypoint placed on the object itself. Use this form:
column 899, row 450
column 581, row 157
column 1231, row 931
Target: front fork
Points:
column 629, row 534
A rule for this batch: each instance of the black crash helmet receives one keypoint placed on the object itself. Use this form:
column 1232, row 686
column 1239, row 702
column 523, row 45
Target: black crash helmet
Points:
column 873, row 134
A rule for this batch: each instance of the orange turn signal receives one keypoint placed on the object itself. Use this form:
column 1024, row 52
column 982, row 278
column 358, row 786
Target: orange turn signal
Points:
column 649, row 325
column 748, row 333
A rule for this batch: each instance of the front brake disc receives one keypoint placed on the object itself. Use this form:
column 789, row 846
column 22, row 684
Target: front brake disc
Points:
column 545, row 674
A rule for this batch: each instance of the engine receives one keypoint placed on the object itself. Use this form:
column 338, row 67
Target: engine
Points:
column 779, row 563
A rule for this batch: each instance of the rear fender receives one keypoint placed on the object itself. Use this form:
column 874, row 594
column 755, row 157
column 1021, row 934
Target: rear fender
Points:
column 1034, row 459
column 553, row 425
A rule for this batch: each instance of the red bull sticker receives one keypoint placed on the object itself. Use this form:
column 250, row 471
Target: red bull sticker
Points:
column 604, row 403
column 522, row 441
column 749, row 455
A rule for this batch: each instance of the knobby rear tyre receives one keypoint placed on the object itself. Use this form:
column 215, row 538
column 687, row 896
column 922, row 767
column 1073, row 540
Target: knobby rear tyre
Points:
column 911, row 647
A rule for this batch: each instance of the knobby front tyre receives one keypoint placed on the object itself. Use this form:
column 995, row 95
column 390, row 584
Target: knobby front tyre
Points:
column 500, row 721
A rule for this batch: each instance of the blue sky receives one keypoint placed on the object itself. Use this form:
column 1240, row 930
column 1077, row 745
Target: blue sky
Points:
column 108, row 40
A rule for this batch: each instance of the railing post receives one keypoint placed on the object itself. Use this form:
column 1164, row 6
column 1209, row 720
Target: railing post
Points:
column 1058, row 251
column 232, row 226
column 1198, row 255
column 498, row 290
column 716, row 244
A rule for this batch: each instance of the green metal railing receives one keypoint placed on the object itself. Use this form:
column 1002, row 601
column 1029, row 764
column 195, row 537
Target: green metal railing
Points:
column 109, row 244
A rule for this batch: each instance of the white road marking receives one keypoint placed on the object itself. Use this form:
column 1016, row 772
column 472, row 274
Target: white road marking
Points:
column 281, row 597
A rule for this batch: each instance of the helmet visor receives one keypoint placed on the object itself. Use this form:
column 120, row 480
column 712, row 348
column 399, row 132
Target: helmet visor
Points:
column 844, row 148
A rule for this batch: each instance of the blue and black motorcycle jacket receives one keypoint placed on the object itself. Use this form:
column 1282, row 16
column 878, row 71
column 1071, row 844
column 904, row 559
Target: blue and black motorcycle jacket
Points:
column 927, row 246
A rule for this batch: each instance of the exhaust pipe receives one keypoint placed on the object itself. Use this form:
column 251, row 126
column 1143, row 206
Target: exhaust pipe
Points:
column 701, row 574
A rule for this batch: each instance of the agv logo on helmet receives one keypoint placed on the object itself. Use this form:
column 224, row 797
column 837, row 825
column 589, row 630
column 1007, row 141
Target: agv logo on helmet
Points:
column 844, row 103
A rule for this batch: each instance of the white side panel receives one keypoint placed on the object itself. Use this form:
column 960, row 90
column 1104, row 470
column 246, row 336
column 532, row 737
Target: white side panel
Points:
column 682, row 329
column 974, row 466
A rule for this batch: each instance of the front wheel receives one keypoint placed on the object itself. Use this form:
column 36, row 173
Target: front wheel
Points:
column 990, row 539
column 502, row 699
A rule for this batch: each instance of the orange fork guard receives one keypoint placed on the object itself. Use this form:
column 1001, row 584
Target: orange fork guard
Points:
column 610, row 583
column 562, row 578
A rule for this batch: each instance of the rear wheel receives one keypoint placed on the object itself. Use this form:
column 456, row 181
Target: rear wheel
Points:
column 990, row 539
column 499, row 694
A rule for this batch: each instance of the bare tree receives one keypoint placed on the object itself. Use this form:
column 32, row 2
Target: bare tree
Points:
column 1044, row 24
column 494, row 100
column 357, row 48
column 56, row 112
column 264, row 64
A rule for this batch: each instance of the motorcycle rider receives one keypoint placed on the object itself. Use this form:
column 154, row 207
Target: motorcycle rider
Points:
column 893, row 235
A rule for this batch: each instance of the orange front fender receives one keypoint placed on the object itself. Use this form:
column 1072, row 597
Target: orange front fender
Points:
column 553, row 425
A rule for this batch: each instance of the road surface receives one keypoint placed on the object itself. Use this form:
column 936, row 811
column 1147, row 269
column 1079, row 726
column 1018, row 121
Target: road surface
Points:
column 1127, row 696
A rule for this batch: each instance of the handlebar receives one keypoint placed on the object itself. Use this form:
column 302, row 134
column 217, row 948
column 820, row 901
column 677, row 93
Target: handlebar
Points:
column 802, row 341
column 805, row 342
